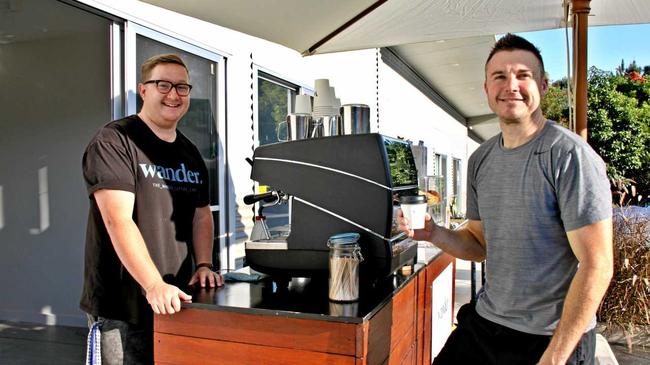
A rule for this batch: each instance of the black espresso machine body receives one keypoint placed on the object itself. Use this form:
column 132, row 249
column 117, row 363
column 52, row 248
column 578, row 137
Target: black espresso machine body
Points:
column 336, row 184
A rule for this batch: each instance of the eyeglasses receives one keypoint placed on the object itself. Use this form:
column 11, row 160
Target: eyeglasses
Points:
column 165, row 87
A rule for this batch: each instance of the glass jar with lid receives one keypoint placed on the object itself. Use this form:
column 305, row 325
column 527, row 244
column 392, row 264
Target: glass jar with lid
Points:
column 344, row 259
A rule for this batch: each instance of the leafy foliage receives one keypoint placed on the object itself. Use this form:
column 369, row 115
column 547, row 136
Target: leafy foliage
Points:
column 556, row 104
column 272, row 109
column 619, row 126
column 608, row 108
column 401, row 163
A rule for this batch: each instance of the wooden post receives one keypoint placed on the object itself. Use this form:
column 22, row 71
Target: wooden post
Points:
column 580, row 12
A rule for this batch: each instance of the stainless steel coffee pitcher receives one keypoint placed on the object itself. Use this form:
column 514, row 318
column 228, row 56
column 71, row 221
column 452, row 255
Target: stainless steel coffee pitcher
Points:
column 297, row 126
column 325, row 126
column 355, row 119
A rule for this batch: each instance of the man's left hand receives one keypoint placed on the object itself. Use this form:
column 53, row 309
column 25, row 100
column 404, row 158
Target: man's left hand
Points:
column 204, row 275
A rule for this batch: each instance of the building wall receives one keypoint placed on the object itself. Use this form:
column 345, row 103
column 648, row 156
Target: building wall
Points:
column 407, row 113
column 43, row 271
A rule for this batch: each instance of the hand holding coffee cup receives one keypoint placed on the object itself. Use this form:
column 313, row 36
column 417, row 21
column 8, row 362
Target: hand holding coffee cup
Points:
column 414, row 208
column 402, row 224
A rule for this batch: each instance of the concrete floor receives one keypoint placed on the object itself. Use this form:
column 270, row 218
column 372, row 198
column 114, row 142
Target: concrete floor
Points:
column 35, row 344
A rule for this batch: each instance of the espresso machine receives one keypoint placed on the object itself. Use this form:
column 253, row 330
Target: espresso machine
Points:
column 335, row 184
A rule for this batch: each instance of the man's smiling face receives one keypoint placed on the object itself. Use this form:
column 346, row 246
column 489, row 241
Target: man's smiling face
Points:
column 165, row 110
column 514, row 85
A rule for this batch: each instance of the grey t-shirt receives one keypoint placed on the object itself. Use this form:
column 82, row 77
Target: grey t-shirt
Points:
column 527, row 198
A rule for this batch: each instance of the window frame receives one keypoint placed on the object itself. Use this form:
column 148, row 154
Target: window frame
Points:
column 266, row 75
column 275, row 78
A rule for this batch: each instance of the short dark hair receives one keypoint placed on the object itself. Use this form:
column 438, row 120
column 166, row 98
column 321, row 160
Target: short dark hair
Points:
column 511, row 42
column 151, row 63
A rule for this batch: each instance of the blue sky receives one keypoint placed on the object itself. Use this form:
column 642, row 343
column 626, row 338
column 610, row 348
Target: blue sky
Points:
column 606, row 47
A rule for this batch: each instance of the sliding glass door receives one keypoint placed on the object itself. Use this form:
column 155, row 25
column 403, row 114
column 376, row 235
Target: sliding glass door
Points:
column 202, row 123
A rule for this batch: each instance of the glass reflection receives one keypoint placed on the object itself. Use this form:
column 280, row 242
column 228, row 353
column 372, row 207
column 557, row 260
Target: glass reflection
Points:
column 2, row 209
column 43, row 203
column 344, row 309
column 401, row 163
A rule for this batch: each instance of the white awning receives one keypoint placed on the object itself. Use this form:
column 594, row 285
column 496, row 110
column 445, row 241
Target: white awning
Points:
column 302, row 24
column 444, row 41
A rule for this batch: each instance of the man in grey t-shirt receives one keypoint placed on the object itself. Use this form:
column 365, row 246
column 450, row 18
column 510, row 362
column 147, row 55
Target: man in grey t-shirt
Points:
column 539, row 210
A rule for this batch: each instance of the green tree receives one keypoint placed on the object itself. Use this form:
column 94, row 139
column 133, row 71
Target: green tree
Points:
column 619, row 125
column 272, row 109
column 562, row 83
column 620, row 70
column 556, row 104
column 632, row 67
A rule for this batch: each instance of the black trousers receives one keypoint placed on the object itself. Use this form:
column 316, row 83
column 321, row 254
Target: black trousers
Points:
column 479, row 341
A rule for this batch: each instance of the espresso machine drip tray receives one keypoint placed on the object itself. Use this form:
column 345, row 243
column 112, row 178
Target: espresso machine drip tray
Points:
column 267, row 245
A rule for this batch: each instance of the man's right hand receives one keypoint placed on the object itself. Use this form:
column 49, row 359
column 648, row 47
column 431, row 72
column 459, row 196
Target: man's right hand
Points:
column 423, row 234
column 467, row 243
column 165, row 298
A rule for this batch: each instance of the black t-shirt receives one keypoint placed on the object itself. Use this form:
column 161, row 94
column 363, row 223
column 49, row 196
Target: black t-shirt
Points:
column 169, row 181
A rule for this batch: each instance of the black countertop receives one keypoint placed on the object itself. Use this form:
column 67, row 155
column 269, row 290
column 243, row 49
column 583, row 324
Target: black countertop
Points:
column 304, row 297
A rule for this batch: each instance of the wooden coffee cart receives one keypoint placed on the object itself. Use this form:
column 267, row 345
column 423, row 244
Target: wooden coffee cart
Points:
column 261, row 323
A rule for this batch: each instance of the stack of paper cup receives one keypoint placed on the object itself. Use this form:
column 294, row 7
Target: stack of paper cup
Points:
column 326, row 119
column 303, row 104
column 325, row 102
column 321, row 85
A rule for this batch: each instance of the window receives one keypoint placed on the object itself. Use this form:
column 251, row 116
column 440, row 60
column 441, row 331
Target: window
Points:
column 275, row 99
column 455, row 177
column 420, row 157
column 440, row 169
column 456, row 189
column 440, row 165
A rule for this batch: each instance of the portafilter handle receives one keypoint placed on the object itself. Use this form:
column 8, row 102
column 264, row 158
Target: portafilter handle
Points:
column 269, row 197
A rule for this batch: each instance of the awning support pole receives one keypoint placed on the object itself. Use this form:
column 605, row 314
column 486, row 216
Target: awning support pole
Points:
column 580, row 12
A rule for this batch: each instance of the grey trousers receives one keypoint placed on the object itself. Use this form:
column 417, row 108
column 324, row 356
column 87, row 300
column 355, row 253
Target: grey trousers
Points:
column 124, row 343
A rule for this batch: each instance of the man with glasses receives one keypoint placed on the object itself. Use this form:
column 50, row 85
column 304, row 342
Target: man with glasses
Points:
column 149, row 214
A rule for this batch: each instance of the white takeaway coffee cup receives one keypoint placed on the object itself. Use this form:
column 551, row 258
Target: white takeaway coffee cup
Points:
column 414, row 208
